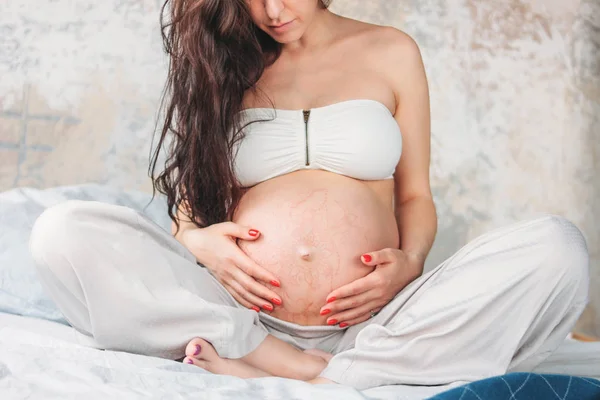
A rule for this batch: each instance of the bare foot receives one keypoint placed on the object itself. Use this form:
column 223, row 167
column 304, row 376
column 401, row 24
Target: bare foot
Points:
column 320, row 353
column 201, row 353
column 289, row 362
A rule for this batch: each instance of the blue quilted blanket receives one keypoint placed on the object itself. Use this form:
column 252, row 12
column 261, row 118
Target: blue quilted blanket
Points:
column 525, row 386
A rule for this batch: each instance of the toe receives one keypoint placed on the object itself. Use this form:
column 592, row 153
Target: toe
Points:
column 194, row 348
column 193, row 361
column 200, row 349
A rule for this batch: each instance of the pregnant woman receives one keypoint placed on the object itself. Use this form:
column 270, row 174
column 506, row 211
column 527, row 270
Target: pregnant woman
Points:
column 297, row 179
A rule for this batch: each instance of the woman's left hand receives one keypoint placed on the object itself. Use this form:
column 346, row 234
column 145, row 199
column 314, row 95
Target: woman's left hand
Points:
column 355, row 302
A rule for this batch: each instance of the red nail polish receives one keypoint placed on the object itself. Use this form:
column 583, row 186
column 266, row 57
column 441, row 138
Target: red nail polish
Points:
column 268, row 307
column 277, row 301
column 343, row 325
column 275, row 283
column 198, row 349
column 331, row 299
column 189, row 361
column 332, row 322
column 253, row 232
column 325, row 311
column 255, row 308
column 367, row 258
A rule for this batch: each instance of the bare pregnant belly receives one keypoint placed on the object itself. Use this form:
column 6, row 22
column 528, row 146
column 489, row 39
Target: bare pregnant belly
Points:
column 314, row 227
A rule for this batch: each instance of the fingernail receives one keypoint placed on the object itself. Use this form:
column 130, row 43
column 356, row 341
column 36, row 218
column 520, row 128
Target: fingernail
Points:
column 367, row 257
column 277, row 301
column 255, row 308
column 268, row 307
column 325, row 311
column 343, row 325
column 275, row 283
column 252, row 232
column 188, row 361
column 332, row 322
column 198, row 349
column 331, row 299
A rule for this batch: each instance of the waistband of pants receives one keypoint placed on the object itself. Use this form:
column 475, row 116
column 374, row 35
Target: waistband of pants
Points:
column 301, row 331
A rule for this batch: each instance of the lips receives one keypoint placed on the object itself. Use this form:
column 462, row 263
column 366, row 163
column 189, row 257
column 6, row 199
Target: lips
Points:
column 279, row 26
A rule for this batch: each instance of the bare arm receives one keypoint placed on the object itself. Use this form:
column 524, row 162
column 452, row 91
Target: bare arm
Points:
column 414, row 207
column 185, row 224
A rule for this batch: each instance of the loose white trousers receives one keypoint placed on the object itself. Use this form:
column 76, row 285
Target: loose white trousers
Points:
column 504, row 302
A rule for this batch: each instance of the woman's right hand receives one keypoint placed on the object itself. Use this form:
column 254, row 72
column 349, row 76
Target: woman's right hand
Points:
column 216, row 248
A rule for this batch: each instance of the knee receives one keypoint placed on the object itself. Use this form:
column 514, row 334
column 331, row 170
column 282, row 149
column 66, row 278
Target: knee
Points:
column 568, row 255
column 58, row 230
column 48, row 231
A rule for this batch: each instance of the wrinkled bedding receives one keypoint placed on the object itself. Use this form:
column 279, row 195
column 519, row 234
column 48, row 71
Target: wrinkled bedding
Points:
column 42, row 357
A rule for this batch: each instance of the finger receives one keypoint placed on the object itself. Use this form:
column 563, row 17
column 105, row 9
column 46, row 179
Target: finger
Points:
column 239, row 231
column 355, row 313
column 239, row 298
column 254, row 270
column 256, row 289
column 353, row 288
column 375, row 258
column 249, row 297
column 347, row 303
column 356, row 321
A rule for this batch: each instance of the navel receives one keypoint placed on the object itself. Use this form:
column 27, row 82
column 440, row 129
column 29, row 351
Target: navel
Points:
column 305, row 253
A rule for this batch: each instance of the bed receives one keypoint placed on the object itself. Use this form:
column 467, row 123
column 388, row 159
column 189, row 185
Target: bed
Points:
column 41, row 356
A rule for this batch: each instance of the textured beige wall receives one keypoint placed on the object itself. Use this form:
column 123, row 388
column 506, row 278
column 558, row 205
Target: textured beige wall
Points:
column 515, row 95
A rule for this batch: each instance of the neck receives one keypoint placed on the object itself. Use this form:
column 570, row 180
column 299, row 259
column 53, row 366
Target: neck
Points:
column 318, row 33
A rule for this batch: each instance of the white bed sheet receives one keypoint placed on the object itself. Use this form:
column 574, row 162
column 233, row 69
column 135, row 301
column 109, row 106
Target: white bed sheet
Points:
column 46, row 360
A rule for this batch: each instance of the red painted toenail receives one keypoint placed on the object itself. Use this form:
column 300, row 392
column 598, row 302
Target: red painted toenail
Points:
column 343, row 325
column 198, row 349
column 332, row 322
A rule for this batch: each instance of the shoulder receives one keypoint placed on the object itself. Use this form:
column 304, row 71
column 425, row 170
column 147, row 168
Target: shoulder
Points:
column 396, row 49
column 371, row 39
column 397, row 58
column 386, row 41
column 388, row 49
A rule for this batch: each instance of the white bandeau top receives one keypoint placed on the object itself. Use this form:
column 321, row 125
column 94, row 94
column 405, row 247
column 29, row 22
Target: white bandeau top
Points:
column 357, row 138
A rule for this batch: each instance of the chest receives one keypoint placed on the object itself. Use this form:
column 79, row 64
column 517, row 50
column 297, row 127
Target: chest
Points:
column 319, row 81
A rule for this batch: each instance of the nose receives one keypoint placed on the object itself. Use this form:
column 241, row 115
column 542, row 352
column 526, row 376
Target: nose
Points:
column 274, row 8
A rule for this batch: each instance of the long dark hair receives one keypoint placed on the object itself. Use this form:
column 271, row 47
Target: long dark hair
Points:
column 216, row 55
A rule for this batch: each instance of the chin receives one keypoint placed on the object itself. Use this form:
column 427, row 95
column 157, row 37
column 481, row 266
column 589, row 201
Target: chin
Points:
column 287, row 37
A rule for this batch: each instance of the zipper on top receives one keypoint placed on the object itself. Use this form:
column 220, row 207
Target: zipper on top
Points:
column 306, row 114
